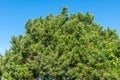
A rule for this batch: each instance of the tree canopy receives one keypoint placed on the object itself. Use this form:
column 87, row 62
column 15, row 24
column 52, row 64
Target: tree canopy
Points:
column 63, row 47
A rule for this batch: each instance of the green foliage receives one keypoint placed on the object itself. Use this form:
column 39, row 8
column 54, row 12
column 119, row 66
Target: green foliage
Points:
column 63, row 47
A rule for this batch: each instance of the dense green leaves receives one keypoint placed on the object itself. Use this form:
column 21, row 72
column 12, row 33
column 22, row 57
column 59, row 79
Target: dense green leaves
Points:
column 63, row 47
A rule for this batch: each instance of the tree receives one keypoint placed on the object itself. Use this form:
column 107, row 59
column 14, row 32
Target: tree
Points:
column 63, row 47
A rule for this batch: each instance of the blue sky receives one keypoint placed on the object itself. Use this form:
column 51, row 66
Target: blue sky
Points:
column 15, row 13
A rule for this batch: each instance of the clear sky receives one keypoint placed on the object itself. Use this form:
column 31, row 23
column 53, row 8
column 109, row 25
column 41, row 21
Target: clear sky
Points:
column 15, row 13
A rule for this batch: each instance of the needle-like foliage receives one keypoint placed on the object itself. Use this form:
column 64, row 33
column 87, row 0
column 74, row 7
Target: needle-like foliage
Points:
column 63, row 47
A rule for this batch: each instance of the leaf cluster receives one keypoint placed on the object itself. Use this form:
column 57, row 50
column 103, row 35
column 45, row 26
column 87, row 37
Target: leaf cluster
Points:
column 63, row 47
